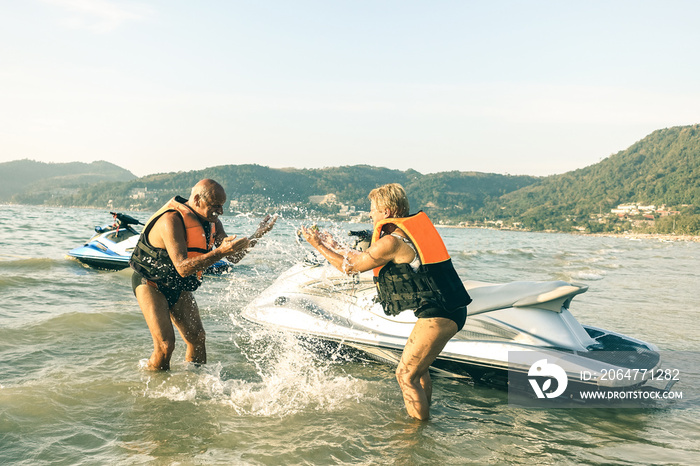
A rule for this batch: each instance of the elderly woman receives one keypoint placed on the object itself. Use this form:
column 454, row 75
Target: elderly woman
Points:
column 412, row 270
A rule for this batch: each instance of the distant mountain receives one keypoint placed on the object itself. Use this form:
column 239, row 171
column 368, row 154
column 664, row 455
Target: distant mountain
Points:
column 24, row 180
column 262, row 188
column 661, row 169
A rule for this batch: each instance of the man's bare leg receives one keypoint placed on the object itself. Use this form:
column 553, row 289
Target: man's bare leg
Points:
column 428, row 338
column 155, row 310
column 185, row 316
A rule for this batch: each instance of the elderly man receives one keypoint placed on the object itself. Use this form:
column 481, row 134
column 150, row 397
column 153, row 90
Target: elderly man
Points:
column 178, row 243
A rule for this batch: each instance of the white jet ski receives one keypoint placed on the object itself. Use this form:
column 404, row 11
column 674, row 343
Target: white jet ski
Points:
column 312, row 299
column 112, row 245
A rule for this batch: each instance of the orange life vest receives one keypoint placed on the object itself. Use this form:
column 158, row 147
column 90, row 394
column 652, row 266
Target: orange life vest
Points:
column 435, row 283
column 155, row 264
column 422, row 233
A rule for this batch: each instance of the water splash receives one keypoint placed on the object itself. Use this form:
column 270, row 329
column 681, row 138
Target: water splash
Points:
column 293, row 377
column 289, row 378
column 283, row 376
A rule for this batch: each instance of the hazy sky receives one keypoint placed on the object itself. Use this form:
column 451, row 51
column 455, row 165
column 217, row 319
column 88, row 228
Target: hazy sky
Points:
column 519, row 87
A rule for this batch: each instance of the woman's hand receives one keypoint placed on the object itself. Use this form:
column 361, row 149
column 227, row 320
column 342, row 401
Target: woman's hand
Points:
column 312, row 235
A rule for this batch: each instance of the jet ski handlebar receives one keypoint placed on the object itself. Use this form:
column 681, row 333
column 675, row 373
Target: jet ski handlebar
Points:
column 362, row 235
column 125, row 220
column 363, row 238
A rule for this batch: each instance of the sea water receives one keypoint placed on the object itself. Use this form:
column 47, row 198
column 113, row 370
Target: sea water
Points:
column 72, row 391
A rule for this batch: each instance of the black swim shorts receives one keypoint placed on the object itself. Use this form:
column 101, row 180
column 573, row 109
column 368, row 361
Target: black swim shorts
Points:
column 458, row 316
column 172, row 296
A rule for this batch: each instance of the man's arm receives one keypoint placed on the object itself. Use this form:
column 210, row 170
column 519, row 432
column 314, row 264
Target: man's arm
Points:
column 169, row 233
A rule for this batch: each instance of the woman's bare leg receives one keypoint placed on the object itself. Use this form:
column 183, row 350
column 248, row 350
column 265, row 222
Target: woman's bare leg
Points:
column 428, row 338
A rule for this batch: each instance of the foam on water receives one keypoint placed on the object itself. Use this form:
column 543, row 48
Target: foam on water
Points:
column 292, row 383
column 588, row 275
column 292, row 376
column 289, row 379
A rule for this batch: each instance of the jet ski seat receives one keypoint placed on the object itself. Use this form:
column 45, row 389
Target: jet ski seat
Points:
column 544, row 295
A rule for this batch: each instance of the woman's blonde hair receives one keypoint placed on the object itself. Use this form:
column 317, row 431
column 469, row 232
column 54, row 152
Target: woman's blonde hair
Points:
column 391, row 196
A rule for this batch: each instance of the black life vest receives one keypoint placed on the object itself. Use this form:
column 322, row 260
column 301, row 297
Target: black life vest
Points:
column 155, row 263
column 436, row 282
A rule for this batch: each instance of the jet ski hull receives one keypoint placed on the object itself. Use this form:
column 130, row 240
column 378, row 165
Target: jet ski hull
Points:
column 109, row 249
column 89, row 256
column 318, row 302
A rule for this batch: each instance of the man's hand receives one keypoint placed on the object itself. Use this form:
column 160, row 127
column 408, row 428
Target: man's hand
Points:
column 265, row 225
column 231, row 245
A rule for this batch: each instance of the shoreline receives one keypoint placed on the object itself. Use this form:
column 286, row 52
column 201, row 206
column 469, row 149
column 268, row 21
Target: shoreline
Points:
column 663, row 237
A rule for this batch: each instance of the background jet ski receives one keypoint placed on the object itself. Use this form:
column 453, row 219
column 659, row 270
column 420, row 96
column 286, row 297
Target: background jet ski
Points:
column 111, row 247
column 313, row 299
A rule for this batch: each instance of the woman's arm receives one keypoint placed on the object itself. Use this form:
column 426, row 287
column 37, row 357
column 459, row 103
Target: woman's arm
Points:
column 350, row 261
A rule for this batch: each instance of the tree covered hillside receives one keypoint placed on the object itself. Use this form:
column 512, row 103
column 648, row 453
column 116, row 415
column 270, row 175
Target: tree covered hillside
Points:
column 254, row 187
column 661, row 169
column 31, row 182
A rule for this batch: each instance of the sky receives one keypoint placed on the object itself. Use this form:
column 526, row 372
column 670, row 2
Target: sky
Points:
column 510, row 87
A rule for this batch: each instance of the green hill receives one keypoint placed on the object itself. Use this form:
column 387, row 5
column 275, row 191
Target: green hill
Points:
column 255, row 187
column 28, row 181
column 661, row 169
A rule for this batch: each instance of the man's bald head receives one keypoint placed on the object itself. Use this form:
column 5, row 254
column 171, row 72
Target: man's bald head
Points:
column 209, row 190
column 207, row 199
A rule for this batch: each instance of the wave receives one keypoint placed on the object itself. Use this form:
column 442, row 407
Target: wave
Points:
column 516, row 252
column 18, row 271
column 19, row 328
column 286, row 378
column 10, row 262
column 585, row 275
